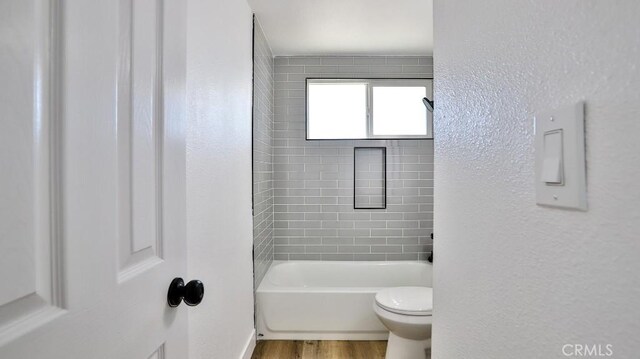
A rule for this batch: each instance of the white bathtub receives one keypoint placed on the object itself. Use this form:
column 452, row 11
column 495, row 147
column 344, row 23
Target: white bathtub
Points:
column 331, row 299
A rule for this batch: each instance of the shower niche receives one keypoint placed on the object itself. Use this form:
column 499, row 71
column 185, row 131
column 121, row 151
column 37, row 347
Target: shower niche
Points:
column 370, row 178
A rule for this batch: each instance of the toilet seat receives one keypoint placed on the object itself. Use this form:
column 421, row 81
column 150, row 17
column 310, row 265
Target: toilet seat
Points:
column 415, row 301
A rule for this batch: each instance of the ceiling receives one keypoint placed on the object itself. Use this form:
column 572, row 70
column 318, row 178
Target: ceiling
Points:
column 347, row 27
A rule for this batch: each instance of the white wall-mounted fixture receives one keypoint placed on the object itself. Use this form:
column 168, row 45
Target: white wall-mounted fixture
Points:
column 560, row 158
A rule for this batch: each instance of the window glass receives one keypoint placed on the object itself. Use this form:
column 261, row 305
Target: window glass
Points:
column 399, row 111
column 368, row 109
column 337, row 110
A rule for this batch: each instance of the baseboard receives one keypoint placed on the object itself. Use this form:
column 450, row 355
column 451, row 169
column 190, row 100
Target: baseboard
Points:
column 324, row 336
column 250, row 346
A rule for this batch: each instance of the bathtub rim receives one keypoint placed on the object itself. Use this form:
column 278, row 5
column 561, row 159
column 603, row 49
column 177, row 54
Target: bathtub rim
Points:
column 267, row 286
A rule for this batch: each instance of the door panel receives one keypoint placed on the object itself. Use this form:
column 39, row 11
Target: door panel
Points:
column 29, row 246
column 92, row 178
column 140, row 123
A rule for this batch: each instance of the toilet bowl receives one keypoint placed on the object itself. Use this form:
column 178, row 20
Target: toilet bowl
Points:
column 406, row 312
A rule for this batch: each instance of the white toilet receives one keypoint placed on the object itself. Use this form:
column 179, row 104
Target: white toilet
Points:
column 406, row 312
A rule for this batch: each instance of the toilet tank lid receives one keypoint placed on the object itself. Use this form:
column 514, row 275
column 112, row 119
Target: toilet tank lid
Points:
column 406, row 300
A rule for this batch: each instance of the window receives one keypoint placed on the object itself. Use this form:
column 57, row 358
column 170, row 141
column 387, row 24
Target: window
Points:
column 337, row 110
column 368, row 109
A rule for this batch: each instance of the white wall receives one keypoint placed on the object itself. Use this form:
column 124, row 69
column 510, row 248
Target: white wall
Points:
column 219, row 222
column 512, row 279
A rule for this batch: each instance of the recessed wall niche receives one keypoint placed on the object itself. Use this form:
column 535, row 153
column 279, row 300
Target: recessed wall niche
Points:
column 370, row 178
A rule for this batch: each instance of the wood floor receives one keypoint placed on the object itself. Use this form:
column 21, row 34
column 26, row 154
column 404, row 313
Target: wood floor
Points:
column 319, row 349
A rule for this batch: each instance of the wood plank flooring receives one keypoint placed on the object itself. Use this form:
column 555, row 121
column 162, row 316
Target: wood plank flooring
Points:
column 319, row 349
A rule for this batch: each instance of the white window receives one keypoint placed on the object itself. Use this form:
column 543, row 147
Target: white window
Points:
column 337, row 110
column 368, row 109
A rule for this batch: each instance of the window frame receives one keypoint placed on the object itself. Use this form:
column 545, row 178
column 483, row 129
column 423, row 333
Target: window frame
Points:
column 371, row 83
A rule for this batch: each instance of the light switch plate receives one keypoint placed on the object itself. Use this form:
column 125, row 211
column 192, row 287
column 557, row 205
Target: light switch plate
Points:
column 572, row 192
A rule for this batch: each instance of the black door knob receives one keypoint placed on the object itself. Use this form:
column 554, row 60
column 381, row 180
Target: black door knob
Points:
column 191, row 293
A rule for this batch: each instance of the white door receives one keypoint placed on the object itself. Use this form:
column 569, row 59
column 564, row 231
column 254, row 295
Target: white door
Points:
column 92, row 178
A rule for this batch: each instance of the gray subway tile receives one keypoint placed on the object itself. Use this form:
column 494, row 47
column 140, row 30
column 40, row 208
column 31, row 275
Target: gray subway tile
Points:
column 280, row 69
column 386, row 69
column 320, row 69
column 426, row 60
column 338, row 240
column 386, row 232
column 304, row 257
column 322, row 172
column 402, row 240
column 341, row 60
column 417, row 69
column 304, row 60
column 354, row 249
column 322, row 249
column 386, row 249
column 337, row 257
column 321, row 216
column 371, row 224
column 414, row 248
column 402, row 60
column 288, row 249
column 378, row 60
column 370, row 240
column 279, row 61
column 305, row 240
column 321, row 232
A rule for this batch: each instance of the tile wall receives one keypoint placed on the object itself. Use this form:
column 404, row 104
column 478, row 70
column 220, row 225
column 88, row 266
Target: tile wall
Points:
column 313, row 212
column 263, row 106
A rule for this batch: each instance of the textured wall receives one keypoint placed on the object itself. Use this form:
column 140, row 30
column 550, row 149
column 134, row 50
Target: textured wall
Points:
column 513, row 279
column 219, row 217
column 262, row 154
column 313, row 180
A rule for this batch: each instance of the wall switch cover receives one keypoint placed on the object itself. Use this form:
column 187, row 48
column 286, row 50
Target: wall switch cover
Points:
column 560, row 158
column 552, row 166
